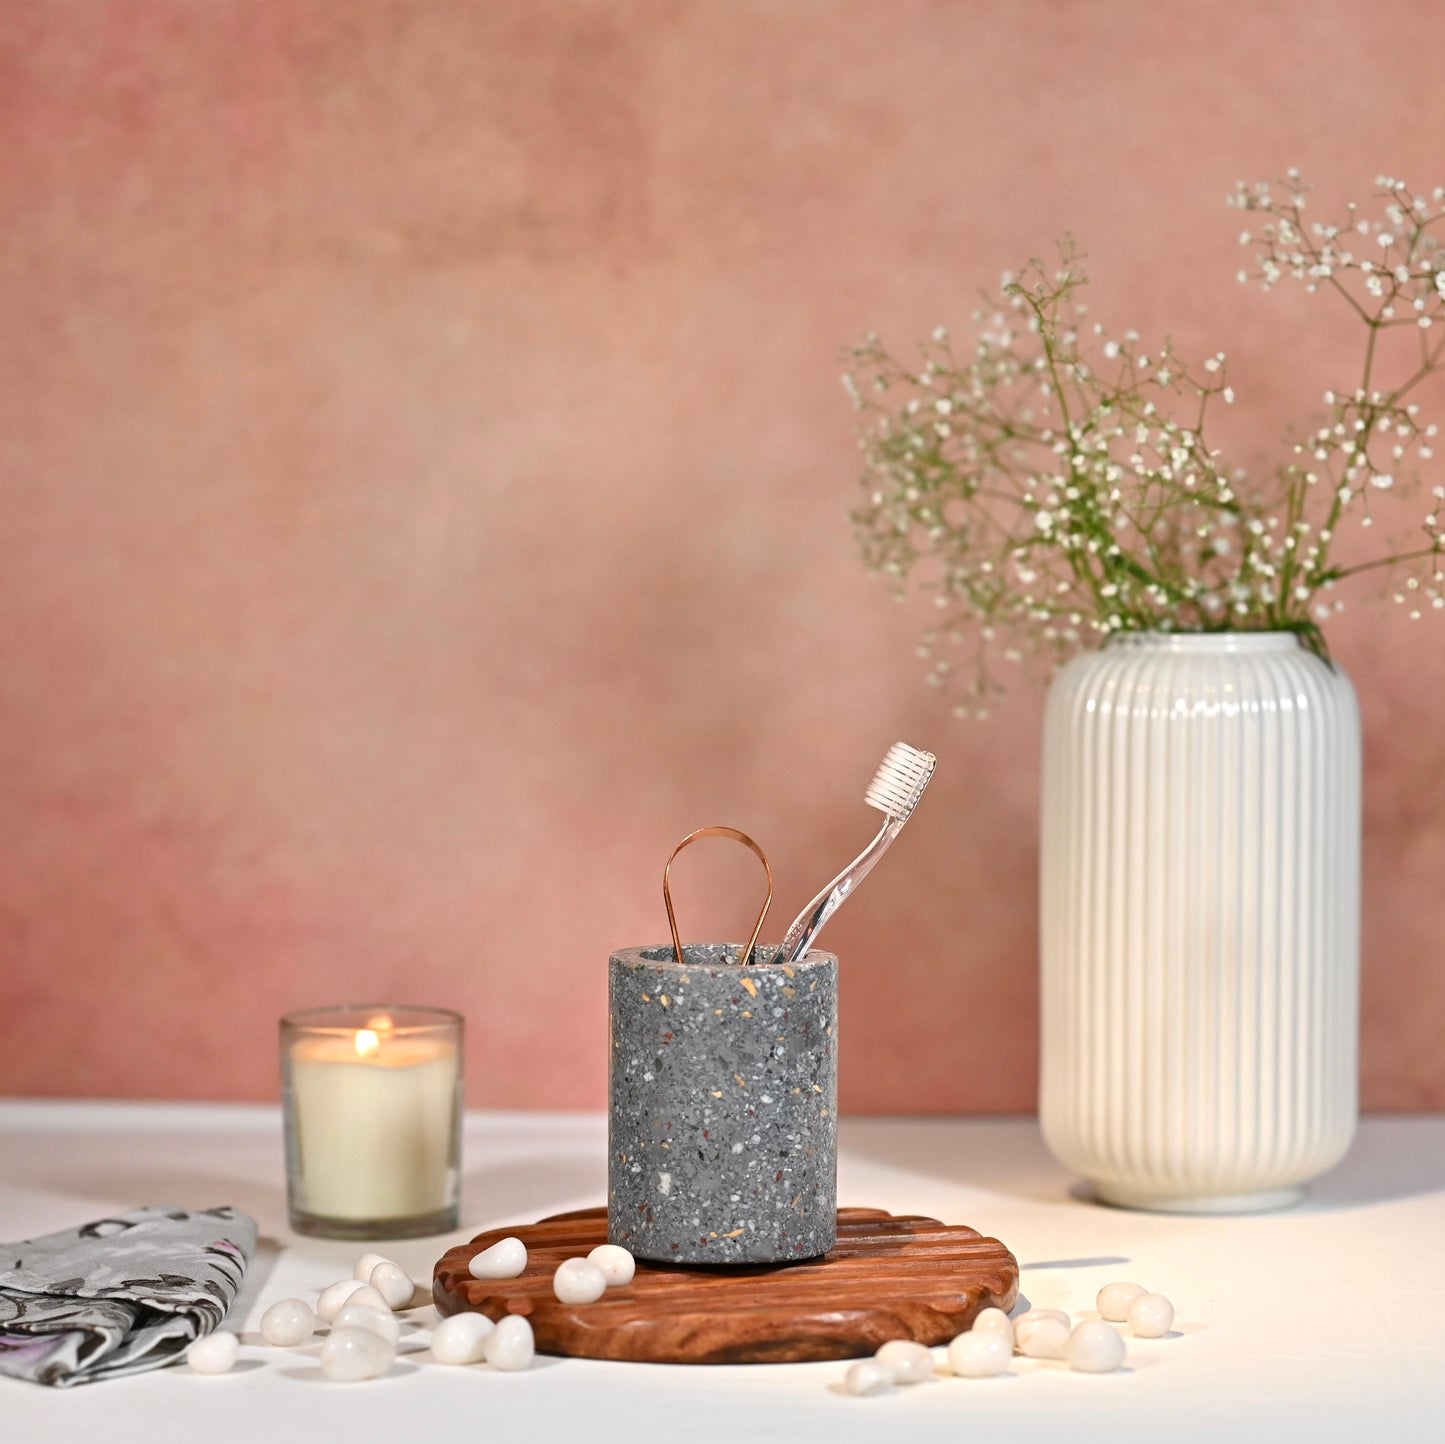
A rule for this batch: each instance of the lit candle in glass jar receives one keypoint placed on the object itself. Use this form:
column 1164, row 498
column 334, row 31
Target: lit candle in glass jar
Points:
column 373, row 1106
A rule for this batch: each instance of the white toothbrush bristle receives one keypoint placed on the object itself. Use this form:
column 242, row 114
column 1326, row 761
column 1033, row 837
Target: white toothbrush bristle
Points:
column 900, row 780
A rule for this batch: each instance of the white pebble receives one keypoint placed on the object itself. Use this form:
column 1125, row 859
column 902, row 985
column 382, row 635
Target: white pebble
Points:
column 364, row 1316
column 1151, row 1316
column 367, row 1296
column 352, row 1354
column 617, row 1265
column 867, row 1376
column 1114, row 1300
column 332, row 1298
column 366, row 1263
column 461, row 1338
column 1043, row 1339
column 290, row 1321
column 1025, row 1324
column 393, row 1283
column 979, row 1356
column 213, row 1353
column 1094, row 1348
column 506, row 1259
column 510, row 1346
column 579, row 1282
column 909, row 1362
column 995, row 1321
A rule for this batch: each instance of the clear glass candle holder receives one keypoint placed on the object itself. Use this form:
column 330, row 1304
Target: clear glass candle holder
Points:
column 372, row 1099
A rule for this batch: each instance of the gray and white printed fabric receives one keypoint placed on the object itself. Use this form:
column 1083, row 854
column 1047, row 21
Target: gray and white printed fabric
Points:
column 119, row 1295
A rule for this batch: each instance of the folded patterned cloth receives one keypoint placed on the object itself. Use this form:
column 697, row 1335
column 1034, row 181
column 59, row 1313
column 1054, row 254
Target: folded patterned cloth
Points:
column 120, row 1295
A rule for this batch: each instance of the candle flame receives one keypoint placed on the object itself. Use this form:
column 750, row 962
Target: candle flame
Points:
column 380, row 1024
column 367, row 1042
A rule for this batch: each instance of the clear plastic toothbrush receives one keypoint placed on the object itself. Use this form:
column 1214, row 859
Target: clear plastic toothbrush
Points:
column 894, row 791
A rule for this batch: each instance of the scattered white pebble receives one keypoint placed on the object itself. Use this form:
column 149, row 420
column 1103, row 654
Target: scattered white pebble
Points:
column 213, row 1353
column 1094, row 1348
column 510, row 1346
column 995, row 1321
column 578, row 1282
column 287, row 1322
column 461, row 1338
column 365, row 1316
column 366, row 1263
column 867, row 1376
column 1114, row 1300
column 352, row 1354
column 617, row 1265
column 1043, row 1339
column 979, row 1355
column 1026, row 1323
column 368, row 1296
column 393, row 1283
column 1151, row 1316
column 504, row 1260
column 333, row 1297
column 909, row 1362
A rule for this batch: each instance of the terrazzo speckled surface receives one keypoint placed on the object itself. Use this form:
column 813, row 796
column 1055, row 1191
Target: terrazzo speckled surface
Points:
column 722, row 1105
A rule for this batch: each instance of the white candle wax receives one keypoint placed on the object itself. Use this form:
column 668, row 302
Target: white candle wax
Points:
column 374, row 1121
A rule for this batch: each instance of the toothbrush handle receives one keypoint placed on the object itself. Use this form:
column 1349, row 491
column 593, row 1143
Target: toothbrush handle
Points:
column 809, row 923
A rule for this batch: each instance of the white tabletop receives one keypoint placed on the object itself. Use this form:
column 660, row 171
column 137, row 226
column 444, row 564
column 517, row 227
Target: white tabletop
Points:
column 1326, row 1322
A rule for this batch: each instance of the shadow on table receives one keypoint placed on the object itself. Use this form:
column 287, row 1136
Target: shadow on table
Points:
column 303, row 1375
column 128, row 1185
column 268, row 1251
column 1392, row 1158
column 517, row 1189
column 999, row 1156
column 1103, row 1260
column 525, row 1188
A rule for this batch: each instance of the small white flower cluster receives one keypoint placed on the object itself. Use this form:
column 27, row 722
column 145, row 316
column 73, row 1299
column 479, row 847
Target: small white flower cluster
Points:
column 1396, row 260
column 1057, row 485
column 1390, row 271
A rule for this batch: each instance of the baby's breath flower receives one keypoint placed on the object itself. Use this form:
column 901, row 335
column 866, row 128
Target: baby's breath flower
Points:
column 1059, row 483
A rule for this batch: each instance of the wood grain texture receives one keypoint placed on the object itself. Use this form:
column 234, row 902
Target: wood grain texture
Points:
column 888, row 1278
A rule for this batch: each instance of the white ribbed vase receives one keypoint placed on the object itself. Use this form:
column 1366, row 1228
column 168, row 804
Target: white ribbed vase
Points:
column 1200, row 919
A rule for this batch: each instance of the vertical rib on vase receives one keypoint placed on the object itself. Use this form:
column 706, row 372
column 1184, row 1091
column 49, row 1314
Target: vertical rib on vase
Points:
column 1199, row 913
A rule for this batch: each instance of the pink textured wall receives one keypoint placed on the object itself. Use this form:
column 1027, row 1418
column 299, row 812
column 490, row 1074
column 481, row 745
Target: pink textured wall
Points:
column 425, row 489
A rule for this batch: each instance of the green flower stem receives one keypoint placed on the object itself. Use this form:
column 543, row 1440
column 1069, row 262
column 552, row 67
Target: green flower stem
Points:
column 1054, row 493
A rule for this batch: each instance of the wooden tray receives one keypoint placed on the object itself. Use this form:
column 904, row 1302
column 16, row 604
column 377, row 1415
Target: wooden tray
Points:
column 888, row 1278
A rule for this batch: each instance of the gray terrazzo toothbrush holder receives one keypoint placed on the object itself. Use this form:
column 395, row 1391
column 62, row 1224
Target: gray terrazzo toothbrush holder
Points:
column 722, row 1105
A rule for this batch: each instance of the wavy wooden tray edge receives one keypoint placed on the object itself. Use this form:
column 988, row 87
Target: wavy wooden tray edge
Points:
column 891, row 1277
